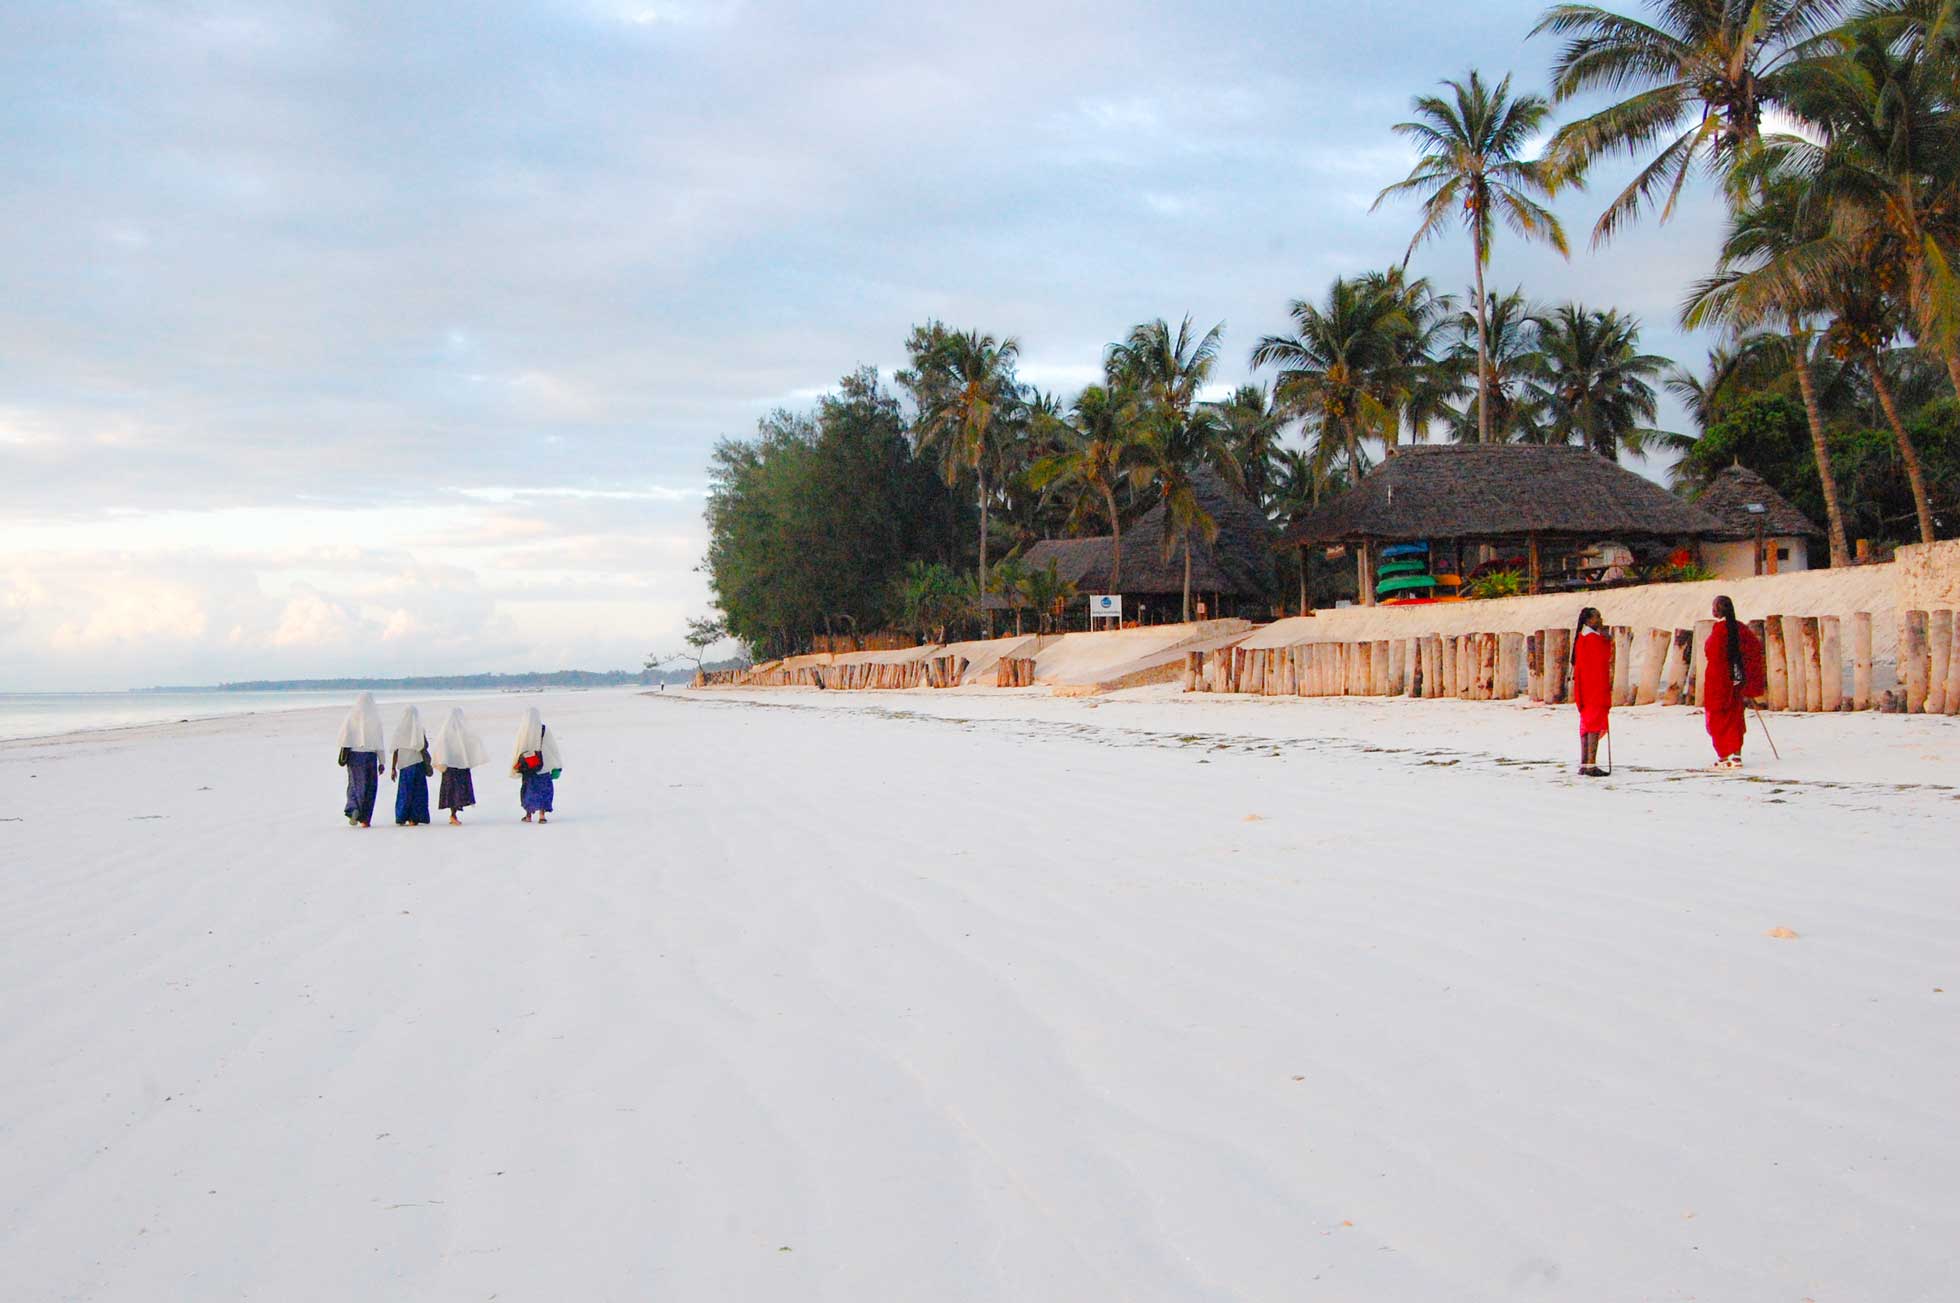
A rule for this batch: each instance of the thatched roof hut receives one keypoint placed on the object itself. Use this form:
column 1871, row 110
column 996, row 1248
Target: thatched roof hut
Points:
column 1504, row 495
column 1775, row 538
column 1729, row 496
column 1236, row 567
column 1498, row 491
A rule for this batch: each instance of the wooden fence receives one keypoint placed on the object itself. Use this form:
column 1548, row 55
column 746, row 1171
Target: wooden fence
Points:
column 1804, row 657
column 931, row 672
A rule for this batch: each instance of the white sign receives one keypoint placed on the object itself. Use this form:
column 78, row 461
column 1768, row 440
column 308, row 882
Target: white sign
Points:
column 1106, row 606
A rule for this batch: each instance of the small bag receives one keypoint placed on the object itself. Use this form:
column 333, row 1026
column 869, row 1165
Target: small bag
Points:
column 531, row 763
column 344, row 753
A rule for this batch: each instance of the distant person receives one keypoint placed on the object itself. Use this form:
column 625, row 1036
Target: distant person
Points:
column 457, row 750
column 536, row 765
column 1735, row 673
column 361, row 744
column 1592, row 687
column 409, row 753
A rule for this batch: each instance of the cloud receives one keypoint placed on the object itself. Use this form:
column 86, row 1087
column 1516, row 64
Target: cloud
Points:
column 289, row 290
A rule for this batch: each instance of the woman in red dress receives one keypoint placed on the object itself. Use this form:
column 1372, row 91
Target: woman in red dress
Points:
column 1592, row 687
column 1734, row 657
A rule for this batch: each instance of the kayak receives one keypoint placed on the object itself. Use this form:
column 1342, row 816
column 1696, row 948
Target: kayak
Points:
column 1405, row 549
column 1421, row 601
column 1411, row 567
column 1405, row 584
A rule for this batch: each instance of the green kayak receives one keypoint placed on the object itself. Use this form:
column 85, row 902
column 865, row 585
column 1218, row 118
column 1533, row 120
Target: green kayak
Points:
column 1404, row 584
column 1391, row 568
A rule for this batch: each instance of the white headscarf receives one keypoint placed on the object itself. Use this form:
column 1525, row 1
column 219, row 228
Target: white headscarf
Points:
column 533, row 736
column 362, row 729
column 410, row 740
column 456, row 746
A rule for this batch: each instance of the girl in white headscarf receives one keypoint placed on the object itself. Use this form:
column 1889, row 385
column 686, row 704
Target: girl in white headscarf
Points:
column 409, row 752
column 536, row 764
column 361, row 745
column 457, row 751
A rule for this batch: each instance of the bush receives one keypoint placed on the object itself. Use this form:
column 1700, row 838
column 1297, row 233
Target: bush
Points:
column 1498, row 583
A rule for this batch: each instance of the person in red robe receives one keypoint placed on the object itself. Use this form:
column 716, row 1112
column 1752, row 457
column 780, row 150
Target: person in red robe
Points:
column 1592, row 687
column 1735, row 673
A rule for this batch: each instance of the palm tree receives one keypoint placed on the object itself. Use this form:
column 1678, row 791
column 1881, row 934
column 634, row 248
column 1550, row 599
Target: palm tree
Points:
column 1166, row 369
column 1735, row 370
column 1099, row 450
column 968, row 394
column 1593, row 383
column 1472, row 171
column 1170, row 457
column 1889, row 170
column 1252, row 426
column 1507, row 331
column 1701, row 75
column 1419, row 386
column 1337, row 368
column 1751, row 286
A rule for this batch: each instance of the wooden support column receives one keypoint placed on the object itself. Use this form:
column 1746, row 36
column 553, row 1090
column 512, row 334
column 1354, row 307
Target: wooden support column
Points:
column 1953, row 670
column 1510, row 652
column 1915, row 661
column 1648, row 690
column 1776, row 668
column 1939, row 636
column 1861, row 660
column 1558, row 662
column 1830, row 662
column 1679, row 663
column 1537, row 575
column 1813, row 669
column 1364, row 560
column 1622, row 665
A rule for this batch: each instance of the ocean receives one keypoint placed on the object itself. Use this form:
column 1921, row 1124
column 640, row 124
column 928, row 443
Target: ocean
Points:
column 43, row 714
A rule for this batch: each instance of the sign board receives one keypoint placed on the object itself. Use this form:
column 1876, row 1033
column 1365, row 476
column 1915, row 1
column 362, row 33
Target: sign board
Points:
column 1106, row 606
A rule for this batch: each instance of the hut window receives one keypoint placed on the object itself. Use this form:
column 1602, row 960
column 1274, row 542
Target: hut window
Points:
column 1782, row 554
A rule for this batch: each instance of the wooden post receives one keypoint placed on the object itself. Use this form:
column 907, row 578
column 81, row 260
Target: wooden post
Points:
column 1534, row 666
column 1379, row 679
column 1536, row 576
column 1830, row 661
column 1915, row 661
column 1510, row 650
column 1698, row 661
column 1654, row 659
column 1365, row 571
column 1622, row 665
column 1939, row 634
column 1813, row 668
column 1679, row 662
column 1487, row 667
column 1558, row 658
column 1412, row 664
column 1861, row 660
column 1466, row 667
column 1776, row 667
column 1398, row 666
column 1448, row 676
column 1953, row 670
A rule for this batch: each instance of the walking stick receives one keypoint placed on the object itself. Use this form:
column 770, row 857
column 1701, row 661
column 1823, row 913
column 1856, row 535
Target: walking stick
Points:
column 1609, row 753
column 1765, row 727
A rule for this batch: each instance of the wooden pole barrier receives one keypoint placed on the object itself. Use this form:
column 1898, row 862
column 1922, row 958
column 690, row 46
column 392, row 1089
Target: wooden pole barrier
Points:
column 1793, row 662
column 1776, row 668
column 1398, row 666
column 1939, row 635
column 1653, row 660
column 1953, row 670
column 1813, row 668
column 1830, row 662
column 1622, row 665
column 1678, row 662
column 1534, row 665
column 1378, row 673
column 1558, row 660
column 1510, row 650
column 1487, row 667
column 1698, row 661
column 1861, row 660
column 1915, row 663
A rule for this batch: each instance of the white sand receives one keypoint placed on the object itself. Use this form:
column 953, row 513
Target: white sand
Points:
column 990, row 996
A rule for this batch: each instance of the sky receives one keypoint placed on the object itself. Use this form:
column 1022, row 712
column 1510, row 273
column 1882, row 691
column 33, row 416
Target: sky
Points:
column 392, row 338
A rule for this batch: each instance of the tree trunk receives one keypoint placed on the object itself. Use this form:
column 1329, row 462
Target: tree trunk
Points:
column 1483, row 345
column 1115, row 543
column 1840, row 553
column 1914, row 475
column 1185, row 616
column 981, row 475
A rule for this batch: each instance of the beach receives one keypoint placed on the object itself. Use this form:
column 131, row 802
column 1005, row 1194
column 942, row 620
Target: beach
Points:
column 988, row 995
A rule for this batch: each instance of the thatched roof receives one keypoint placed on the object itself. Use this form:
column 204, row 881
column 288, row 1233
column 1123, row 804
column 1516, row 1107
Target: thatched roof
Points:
column 1238, row 563
column 1728, row 495
column 1441, row 491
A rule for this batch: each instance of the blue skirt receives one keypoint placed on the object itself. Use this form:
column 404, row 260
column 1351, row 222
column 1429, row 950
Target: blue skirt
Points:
column 412, row 794
column 363, row 783
column 537, row 793
column 458, row 791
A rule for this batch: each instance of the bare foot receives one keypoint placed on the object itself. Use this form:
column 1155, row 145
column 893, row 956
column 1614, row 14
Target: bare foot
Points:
column 540, row 818
column 453, row 819
column 525, row 819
